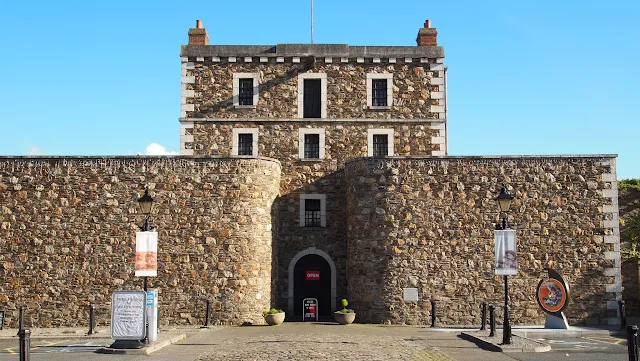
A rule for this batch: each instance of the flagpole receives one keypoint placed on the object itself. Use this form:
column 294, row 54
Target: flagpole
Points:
column 311, row 21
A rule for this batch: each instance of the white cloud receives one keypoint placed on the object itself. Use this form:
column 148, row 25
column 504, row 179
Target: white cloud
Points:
column 157, row 149
column 35, row 150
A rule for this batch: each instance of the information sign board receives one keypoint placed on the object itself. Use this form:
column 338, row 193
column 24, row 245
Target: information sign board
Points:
column 310, row 309
column 128, row 315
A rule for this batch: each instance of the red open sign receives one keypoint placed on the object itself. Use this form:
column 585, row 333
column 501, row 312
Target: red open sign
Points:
column 313, row 276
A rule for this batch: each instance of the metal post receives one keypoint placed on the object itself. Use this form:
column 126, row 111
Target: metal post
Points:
column 433, row 313
column 623, row 315
column 208, row 315
column 21, row 317
column 632, row 342
column 145, row 340
column 92, row 319
column 483, row 316
column 25, row 348
column 492, row 320
column 506, row 331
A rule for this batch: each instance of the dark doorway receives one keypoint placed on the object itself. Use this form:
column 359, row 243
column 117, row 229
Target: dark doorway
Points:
column 312, row 98
column 307, row 285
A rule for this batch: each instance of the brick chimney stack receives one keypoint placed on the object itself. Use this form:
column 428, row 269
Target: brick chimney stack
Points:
column 427, row 36
column 198, row 36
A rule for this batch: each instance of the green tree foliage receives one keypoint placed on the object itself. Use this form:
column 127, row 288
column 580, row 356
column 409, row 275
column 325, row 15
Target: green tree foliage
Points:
column 631, row 233
column 630, row 223
column 632, row 183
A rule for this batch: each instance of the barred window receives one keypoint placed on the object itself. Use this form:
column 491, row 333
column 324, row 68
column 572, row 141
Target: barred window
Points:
column 380, row 145
column 312, row 145
column 379, row 92
column 312, row 213
column 245, row 91
column 245, row 144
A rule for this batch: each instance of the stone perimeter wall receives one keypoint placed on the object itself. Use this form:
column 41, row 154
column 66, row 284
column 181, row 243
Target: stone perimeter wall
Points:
column 428, row 223
column 67, row 236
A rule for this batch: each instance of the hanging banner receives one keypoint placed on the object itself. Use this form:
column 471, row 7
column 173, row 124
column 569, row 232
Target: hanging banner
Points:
column 146, row 254
column 505, row 252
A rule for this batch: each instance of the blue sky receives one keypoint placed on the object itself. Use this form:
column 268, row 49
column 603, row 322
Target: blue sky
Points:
column 525, row 77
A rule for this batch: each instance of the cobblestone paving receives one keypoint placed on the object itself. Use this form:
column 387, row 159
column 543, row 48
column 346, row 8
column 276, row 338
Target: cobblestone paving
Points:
column 323, row 342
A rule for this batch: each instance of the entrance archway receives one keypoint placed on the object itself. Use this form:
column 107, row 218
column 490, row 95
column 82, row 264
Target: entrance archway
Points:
column 312, row 259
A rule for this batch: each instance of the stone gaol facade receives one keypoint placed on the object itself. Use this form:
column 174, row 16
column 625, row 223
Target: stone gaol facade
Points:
column 297, row 158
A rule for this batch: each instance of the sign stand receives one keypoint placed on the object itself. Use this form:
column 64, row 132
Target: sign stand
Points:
column 128, row 318
column 556, row 322
column 152, row 314
column 552, row 295
column 310, row 309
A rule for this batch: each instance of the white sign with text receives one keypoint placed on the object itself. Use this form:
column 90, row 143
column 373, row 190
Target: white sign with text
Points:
column 128, row 315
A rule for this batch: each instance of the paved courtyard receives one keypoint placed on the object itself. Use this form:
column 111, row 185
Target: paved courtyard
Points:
column 316, row 341
column 297, row 341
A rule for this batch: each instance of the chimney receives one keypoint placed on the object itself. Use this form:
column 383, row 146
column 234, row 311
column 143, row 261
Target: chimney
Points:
column 427, row 35
column 198, row 36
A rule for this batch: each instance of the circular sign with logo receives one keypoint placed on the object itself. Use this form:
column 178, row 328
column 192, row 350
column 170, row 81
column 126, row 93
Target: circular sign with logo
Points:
column 551, row 295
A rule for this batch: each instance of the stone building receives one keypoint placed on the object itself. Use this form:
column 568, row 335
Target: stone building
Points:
column 317, row 171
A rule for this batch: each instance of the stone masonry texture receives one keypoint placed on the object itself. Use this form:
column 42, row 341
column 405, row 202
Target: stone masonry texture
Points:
column 324, row 176
column 67, row 236
column 428, row 224
column 278, row 97
column 229, row 225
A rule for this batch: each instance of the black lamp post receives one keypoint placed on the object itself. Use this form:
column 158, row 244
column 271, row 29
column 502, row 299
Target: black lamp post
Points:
column 146, row 205
column 504, row 201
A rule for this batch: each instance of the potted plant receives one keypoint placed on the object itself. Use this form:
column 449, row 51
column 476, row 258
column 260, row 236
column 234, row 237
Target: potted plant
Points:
column 273, row 316
column 344, row 316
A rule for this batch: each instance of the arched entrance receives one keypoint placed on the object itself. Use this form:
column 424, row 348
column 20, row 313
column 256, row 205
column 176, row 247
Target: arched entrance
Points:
column 303, row 271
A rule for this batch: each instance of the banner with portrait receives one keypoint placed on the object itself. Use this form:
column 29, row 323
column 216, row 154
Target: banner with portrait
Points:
column 505, row 252
column 146, row 254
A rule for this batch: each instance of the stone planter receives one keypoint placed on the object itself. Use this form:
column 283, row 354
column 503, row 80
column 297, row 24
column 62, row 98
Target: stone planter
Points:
column 274, row 319
column 344, row 318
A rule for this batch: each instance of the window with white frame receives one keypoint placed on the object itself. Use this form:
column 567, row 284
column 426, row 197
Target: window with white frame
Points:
column 312, row 95
column 244, row 141
column 379, row 91
column 311, row 143
column 245, row 90
column 313, row 210
column 380, row 142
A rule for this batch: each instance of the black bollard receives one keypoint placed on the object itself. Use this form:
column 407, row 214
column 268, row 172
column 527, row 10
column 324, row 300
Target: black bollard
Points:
column 21, row 317
column 92, row 319
column 208, row 316
column 632, row 342
column 483, row 316
column 25, row 351
column 623, row 314
column 492, row 320
column 433, row 313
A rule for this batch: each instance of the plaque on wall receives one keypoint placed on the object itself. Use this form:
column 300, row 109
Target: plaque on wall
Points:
column 410, row 294
column 128, row 315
